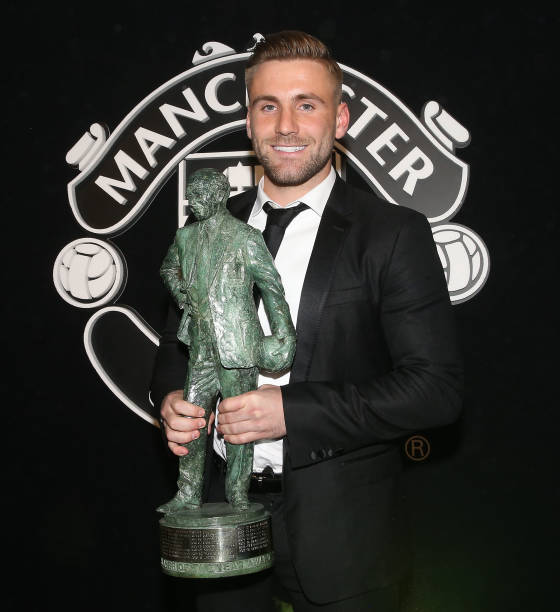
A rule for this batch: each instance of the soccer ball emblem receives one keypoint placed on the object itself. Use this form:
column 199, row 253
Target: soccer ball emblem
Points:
column 89, row 272
column 464, row 258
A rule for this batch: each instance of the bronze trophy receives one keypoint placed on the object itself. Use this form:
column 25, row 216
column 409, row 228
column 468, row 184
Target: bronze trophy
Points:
column 211, row 270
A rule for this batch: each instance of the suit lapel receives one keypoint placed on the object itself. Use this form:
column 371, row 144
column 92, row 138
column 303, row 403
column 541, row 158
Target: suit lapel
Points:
column 217, row 252
column 240, row 207
column 190, row 246
column 330, row 238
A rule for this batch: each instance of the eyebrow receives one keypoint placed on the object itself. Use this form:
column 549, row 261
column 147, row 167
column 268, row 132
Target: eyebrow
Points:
column 300, row 96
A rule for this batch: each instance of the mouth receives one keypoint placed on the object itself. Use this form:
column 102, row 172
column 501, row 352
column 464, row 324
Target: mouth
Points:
column 284, row 149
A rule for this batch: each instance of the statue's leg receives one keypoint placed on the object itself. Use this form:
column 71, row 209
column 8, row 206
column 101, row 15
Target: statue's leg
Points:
column 239, row 456
column 201, row 388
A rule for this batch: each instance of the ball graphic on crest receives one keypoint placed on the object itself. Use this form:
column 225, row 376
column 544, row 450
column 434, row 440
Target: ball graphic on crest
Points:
column 89, row 273
column 464, row 258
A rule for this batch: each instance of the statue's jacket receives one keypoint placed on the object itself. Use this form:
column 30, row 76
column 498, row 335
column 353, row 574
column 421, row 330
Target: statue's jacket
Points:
column 238, row 260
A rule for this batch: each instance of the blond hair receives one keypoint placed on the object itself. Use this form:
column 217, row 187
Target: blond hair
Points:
column 293, row 45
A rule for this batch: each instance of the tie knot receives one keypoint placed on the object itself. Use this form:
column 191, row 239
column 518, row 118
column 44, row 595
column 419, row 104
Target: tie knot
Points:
column 282, row 216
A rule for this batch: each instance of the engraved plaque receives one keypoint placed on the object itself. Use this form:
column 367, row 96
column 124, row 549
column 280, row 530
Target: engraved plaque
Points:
column 214, row 541
column 253, row 539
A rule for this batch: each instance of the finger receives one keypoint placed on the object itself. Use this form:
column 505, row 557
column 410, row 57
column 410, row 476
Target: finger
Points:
column 237, row 416
column 179, row 429
column 243, row 438
column 239, row 427
column 177, row 449
column 181, row 408
column 210, row 422
column 233, row 403
column 174, row 403
column 182, row 424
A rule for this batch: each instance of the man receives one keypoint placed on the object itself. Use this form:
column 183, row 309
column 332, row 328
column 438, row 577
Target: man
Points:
column 375, row 360
column 210, row 270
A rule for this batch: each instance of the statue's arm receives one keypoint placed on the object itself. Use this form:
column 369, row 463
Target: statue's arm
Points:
column 278, row 349
column 268, row 281
column 172, row 275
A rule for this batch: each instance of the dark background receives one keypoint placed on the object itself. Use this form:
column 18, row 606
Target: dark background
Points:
column 83, row 473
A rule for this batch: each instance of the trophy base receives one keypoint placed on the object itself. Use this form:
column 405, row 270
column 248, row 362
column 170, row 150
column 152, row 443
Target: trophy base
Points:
column 216, row 541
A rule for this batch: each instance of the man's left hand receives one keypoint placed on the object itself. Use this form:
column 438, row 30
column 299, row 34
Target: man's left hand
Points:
column 256, row 415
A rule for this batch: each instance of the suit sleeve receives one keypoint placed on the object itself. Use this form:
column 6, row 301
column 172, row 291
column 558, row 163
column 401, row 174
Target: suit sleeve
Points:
column 423, row 387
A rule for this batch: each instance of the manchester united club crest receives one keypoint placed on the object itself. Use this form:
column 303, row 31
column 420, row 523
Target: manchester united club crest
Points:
column 406, row 160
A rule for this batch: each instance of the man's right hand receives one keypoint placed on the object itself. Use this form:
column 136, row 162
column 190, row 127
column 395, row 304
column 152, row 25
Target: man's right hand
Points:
column 178, row 429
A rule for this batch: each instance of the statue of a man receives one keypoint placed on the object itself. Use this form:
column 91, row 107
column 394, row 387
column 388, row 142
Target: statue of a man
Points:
column 210, row 270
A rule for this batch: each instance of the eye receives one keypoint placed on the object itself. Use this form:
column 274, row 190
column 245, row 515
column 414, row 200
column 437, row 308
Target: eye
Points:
column 268, row 108
column 307, row 106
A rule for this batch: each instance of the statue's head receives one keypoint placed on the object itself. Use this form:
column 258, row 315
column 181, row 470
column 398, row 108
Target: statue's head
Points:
column 207, row 191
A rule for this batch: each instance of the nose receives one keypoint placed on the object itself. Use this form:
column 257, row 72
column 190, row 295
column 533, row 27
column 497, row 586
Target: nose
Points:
column 287, row 123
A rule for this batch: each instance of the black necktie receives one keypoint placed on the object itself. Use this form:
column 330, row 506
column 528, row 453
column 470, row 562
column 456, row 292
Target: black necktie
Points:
column 277, row 220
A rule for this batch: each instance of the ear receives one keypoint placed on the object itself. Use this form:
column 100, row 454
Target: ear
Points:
column 248, row 123
column 342, row 120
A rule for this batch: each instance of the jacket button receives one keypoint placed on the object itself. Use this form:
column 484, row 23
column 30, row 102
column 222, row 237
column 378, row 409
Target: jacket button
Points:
column 313, row 456
column 330, row 452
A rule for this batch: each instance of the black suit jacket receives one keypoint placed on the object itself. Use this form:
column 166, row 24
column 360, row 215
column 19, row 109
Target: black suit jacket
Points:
column 376, row 360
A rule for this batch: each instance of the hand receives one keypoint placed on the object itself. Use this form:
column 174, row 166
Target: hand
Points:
column 178, row 429
column 256, row 415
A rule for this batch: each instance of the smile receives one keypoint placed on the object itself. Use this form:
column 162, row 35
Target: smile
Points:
column 289, row 149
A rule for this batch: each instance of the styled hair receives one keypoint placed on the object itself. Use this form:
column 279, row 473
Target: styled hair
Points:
column 293, row 45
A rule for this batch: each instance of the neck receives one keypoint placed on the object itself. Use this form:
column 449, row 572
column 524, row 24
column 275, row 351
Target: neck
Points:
column 284, row 194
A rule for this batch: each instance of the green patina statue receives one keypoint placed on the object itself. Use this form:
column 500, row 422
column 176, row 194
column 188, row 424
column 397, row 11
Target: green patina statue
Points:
column 210, row 270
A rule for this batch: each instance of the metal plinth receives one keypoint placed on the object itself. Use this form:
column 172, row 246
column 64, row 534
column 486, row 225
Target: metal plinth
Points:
column 216, row 541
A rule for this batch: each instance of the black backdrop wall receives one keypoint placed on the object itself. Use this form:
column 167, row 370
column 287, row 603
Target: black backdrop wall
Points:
column 83, row 473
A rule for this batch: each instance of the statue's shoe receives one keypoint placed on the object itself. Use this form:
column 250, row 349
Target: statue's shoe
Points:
column 240, row 503
column 178, row 504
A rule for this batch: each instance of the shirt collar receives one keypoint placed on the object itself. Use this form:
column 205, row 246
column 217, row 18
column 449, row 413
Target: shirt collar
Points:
column 316, row 199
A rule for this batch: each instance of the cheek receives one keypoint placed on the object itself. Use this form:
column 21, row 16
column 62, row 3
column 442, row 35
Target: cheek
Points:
column 260, row 127
column 319, row 127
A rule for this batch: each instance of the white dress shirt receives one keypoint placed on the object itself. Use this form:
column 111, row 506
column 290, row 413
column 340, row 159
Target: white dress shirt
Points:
column 291, row 262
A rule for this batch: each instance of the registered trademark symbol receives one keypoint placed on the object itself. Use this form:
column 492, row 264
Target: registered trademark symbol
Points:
column 417, row 448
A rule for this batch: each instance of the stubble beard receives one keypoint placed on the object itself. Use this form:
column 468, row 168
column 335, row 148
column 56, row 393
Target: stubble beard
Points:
column 295, row 173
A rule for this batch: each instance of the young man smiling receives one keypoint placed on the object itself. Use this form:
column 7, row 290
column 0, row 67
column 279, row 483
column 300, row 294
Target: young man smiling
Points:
column 376, row 357
column 295, row 114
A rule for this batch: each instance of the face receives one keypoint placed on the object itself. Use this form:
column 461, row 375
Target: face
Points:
column 205, row 194
column 293, row 120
